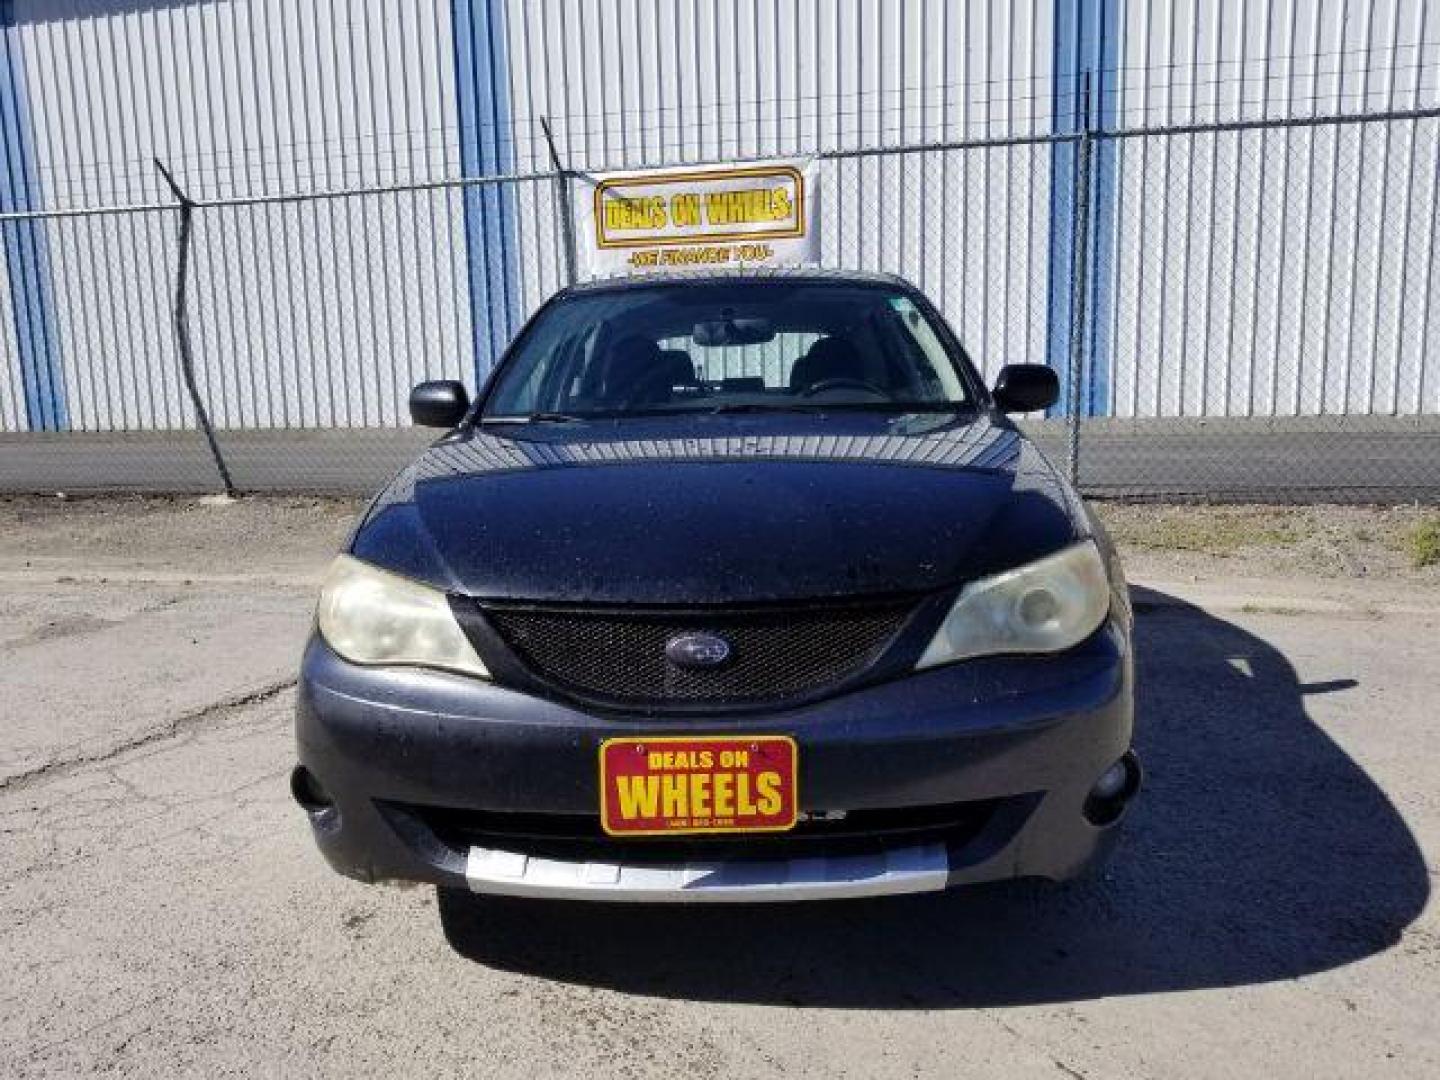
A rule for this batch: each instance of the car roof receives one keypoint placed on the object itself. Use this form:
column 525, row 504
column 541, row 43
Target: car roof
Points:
column 715, row 276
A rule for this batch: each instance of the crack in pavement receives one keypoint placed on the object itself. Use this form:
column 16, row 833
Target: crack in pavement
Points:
column 45, row 1048
column 170, row 729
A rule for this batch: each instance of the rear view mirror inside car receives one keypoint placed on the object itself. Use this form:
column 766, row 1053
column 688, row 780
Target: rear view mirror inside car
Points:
column 730, row 331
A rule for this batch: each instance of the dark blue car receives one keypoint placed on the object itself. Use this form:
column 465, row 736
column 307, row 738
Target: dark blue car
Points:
column 734, row 587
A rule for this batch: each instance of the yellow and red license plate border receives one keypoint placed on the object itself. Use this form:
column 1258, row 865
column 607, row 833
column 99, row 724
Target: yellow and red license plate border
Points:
column 794, row 785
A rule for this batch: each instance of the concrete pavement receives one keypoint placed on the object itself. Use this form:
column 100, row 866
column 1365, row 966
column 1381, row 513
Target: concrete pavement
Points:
column 163, row 911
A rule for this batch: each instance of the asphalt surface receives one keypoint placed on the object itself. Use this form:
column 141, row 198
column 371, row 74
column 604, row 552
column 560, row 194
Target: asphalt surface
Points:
column 1345, row 459
column 163, row 911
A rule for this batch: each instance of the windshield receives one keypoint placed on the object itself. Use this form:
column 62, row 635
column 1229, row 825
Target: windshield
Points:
column 742, row 346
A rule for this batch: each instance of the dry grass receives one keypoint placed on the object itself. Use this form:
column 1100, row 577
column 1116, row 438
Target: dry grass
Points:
column 1209, row 530
column 1340, row 541
column 1422, row 542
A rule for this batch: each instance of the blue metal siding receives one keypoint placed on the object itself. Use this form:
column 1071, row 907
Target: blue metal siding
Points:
column 27, row 255
column 1104, row 51
column 1087, row 51
column 482, row 85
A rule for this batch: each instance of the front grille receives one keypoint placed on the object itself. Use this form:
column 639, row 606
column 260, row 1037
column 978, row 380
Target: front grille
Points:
column 775, row 653
column 579, row 838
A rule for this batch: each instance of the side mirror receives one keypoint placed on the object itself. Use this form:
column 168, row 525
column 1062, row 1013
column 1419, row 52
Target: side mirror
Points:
column 1026, row 388
column 440, row 403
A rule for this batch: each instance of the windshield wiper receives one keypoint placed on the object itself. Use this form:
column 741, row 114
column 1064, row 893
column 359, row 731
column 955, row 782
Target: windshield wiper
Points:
column 900, row 406
column 842, row 406
column 534, row 418
column 761, row 407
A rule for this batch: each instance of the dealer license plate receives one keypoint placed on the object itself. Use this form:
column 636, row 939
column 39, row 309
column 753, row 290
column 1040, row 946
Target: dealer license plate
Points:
column 700, row 784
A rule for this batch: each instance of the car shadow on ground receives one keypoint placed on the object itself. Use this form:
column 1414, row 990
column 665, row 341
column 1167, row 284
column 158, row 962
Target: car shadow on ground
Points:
column 1259, row 851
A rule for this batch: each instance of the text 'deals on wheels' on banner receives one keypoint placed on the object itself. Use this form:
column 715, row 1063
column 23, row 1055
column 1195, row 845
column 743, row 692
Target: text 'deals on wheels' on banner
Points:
column 757, row 214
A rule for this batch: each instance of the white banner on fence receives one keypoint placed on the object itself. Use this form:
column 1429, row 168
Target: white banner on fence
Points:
column 758, row 214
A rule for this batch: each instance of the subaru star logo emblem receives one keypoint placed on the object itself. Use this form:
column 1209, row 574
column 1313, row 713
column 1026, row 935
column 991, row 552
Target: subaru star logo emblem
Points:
column 697, row 650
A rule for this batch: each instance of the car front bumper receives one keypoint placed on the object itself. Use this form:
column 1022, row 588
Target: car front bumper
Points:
column 1009, row 748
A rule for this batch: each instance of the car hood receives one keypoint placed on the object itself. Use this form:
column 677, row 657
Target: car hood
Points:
column 720, row 509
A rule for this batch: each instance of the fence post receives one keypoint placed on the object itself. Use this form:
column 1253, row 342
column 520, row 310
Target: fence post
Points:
column 563, row 208
column 182, row 327
column 1079, row 283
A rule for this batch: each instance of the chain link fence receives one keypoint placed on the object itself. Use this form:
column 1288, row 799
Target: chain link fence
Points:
column 1237, row 311
column 1273, row 330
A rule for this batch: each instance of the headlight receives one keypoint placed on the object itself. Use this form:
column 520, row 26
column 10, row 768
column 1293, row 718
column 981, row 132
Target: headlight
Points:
column 1047, row 606
column 370, row 616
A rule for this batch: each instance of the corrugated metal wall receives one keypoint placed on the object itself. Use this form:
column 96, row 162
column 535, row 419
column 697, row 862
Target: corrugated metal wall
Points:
column 307, row 315
column 1220, row 287
column 240, row 97
column 1275, row 272
column 12, row 389
column 635, row 81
